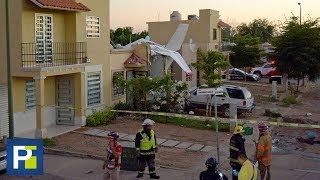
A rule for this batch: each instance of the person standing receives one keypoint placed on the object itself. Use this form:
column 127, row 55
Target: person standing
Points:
column 263, row 153
column 236, row 147
column 248, row 171
column 112, row 162
column 146, row 146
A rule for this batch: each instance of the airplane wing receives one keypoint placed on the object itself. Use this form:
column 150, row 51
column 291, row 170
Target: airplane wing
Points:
column 177, row 39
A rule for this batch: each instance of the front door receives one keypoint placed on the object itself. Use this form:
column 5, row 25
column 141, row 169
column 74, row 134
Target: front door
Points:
column 64, row 101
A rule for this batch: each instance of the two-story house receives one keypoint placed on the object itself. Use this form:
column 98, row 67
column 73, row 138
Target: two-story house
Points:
column 60, row 63
column 204, row 32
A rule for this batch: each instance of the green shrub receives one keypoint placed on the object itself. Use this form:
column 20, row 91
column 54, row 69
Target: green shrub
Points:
column 191, row 123
column 100, row 117
column 49, row 142
column 121, row 106
column 287, row 101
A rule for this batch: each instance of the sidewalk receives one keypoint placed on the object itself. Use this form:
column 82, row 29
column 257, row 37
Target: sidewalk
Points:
column 192, row 146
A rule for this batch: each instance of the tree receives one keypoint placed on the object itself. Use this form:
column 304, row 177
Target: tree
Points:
column 208, row 64
column 298, row 49
column 261, row 28
column 246, row 53
column 125, row 35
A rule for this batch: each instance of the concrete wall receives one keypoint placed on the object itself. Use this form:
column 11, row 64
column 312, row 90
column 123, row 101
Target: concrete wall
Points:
column 19, row 93
column 200, row 31
column 189, row 53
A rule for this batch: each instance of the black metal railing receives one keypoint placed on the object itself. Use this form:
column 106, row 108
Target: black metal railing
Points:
column 35, row 55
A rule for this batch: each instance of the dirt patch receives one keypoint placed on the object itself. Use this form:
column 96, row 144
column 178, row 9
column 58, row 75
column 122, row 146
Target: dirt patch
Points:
column 96, row 146
column 285, row 138
column 166, row 131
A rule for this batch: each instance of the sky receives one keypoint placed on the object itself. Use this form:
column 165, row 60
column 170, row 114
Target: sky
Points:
column 136, row 13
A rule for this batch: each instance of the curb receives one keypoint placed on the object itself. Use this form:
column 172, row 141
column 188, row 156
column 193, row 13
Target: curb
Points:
column 53, row 151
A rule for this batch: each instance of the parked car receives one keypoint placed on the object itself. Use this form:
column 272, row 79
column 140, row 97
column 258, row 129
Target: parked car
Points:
column 238, row 74
column 267, row 69
column 3, row 158
column 231, row 94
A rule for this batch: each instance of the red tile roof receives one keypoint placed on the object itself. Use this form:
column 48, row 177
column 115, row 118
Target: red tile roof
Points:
column 135, row 60
column 223, row 24
column 61, row 4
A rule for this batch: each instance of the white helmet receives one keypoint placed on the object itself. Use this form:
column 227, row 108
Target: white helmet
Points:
column 148, row 122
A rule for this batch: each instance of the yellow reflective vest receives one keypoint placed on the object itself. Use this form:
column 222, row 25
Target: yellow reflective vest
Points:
column 146, row 143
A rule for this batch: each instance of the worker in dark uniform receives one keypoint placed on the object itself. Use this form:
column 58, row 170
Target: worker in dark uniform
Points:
column 212, row 172
column 236, row 147
column 146, row 146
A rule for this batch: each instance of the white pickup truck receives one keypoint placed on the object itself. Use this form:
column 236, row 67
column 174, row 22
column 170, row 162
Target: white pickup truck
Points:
column 232, row 94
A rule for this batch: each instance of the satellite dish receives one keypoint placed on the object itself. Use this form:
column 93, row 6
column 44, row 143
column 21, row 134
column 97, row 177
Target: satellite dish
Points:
column 147, row 38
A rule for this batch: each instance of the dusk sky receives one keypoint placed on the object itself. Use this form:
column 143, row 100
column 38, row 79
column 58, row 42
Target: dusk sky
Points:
column 136, row 13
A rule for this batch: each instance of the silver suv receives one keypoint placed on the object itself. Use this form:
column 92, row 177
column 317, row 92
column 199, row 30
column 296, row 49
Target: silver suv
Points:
column 232, row 94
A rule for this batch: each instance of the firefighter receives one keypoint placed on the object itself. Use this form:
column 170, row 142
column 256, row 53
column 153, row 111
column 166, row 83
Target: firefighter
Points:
column 146, row 146
column 112, row 162
column 236, row 147
column 263, row 153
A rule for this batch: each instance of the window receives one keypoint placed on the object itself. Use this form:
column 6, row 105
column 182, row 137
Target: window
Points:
column 30, row 94
column 93, row 27
column 43, row 37
column 117, row 91
column 94, row 89
column 235, row 93
column 214, row 34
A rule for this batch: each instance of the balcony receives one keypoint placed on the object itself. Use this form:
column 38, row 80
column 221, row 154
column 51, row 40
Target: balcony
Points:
column 40, row 55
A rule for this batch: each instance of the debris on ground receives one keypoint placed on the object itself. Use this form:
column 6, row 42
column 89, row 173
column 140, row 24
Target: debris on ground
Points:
column 88, row 171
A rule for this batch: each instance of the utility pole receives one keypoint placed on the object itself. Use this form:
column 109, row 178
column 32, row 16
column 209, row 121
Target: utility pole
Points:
column 300, row 11
column 11, row 128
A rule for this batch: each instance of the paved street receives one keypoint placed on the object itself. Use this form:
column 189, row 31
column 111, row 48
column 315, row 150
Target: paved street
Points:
column 290, row 166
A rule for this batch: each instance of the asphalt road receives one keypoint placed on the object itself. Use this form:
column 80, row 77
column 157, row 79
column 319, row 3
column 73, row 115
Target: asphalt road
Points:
column 284, row 167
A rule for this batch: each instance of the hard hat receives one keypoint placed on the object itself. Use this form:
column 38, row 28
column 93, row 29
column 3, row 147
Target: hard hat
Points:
column 238, row 130
column 211, row 162
column 262, row 127
column 148, row 122
column 113, row 134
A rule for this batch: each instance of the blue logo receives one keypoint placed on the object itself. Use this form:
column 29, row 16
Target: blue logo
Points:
column 24, row 157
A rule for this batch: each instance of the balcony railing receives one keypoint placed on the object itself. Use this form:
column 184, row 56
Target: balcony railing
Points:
column 38, row 55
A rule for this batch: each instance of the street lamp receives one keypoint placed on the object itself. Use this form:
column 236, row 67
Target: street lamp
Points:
column 300, row 11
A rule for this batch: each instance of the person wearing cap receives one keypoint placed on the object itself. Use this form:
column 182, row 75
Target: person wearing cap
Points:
column 112, row 162
column 236, row 147
column 146, row 146
column 263, row 153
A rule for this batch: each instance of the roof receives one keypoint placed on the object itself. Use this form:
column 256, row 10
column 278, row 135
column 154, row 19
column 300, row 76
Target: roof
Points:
column 223, row 24
column 68, row 5
column 135, row 61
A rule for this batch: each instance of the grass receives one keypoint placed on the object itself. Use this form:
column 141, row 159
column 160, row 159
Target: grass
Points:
column 272, row 114
column 289, row 100
column 191, row 123
column 49, row 142
column 262, row 98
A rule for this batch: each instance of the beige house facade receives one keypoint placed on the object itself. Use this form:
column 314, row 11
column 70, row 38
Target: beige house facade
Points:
column 61, row 66
column 204, row 32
